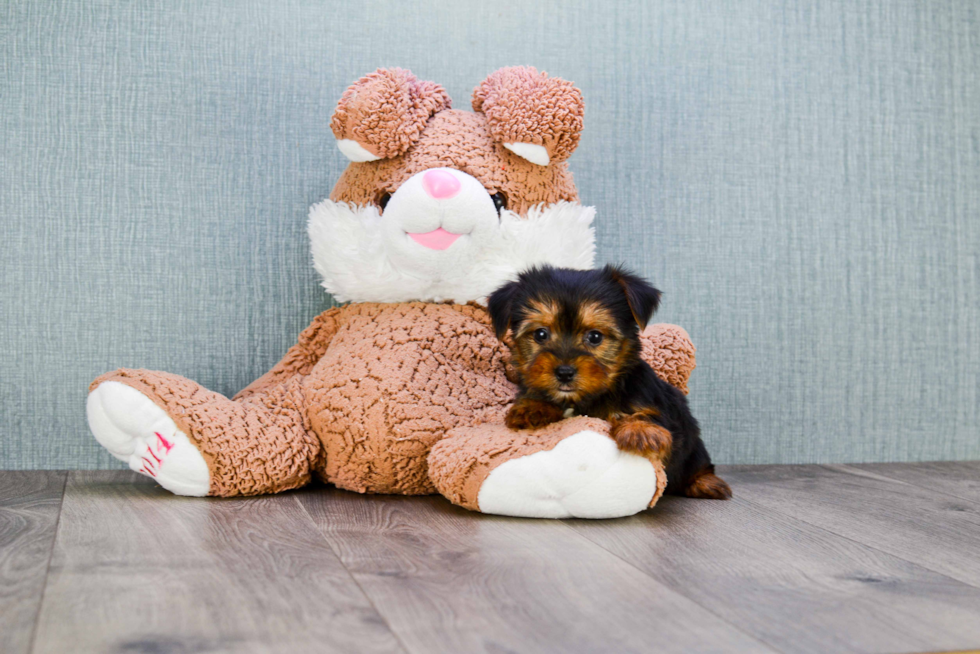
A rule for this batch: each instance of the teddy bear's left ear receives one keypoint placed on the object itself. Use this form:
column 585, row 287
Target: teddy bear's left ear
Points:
column 382, row 114
column 534, row 116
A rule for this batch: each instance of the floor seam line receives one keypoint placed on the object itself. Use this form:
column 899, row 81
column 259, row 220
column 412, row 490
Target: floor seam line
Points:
column 763, row 507
column 847, row 468
column 672, row 589
column 47, row 568
column 353, row 578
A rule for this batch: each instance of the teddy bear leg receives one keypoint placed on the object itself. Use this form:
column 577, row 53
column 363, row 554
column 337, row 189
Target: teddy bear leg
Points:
column 570, row 469
column 193, row 441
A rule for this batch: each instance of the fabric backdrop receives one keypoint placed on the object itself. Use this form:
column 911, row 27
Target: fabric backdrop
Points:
column 801, row 178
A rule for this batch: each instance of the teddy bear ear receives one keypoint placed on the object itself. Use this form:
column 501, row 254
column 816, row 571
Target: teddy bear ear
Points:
column 534, row 116
column 382, row 114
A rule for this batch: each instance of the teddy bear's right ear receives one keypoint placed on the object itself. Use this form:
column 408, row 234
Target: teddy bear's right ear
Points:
column 382, row 114
column 534, row 116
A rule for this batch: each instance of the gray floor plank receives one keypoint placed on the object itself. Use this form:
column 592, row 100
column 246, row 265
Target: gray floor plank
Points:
column 448, row 580
column 932, row 529
column 138, row 569
column 29, row 506
column 957, row 478
column 797, row 587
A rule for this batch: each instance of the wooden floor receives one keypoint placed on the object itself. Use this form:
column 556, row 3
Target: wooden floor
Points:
column 871, row 558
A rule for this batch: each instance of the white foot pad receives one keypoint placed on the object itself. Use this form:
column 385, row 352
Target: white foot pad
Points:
column 135, row 430
column 584, row 476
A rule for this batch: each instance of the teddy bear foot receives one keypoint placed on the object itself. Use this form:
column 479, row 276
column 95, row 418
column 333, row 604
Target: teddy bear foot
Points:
column 584, row 476
column 570, row 469
column 135, row 430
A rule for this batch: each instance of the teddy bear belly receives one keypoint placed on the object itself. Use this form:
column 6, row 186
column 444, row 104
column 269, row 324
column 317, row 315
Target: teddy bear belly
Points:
column 394, row 380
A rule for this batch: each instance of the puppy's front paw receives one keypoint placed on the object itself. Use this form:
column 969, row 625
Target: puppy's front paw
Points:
column 532, row 414
column 642, row 437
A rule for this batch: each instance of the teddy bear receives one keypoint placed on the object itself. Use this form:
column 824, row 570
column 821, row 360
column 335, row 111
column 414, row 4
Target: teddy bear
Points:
column 402, row 388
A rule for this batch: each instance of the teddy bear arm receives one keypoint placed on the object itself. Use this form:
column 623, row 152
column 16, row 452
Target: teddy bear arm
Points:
column 568, row 469
column 669, row 350
column 299, row 360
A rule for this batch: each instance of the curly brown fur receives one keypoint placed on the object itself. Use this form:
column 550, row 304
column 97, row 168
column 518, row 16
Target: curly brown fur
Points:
column 574, row 340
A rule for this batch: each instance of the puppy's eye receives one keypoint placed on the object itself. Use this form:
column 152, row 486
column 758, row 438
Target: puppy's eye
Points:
column 593, row 337
column 541, row 335
column 499, row 201
column 383, row 200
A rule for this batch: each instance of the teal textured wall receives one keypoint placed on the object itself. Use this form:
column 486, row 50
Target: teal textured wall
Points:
column 801, row 178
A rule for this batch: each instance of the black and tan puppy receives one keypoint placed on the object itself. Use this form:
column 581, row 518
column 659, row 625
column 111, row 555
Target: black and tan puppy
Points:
column 575, row 345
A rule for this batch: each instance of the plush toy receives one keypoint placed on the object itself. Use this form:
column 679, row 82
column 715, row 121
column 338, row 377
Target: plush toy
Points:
column 403, row 389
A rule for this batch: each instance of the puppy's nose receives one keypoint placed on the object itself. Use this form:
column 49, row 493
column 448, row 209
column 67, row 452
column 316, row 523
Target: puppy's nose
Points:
column 565, row 373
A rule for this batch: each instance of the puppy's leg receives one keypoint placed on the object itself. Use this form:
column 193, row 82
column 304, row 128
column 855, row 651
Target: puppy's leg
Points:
column 527, row 413
column 638, row 434
column 708, row 486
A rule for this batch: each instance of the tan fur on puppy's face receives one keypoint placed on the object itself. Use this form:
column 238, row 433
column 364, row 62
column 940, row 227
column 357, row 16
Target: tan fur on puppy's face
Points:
column 597, row 365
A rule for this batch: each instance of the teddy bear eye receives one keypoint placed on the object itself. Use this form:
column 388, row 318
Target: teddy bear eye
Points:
column 499, row 201
column 593, row 337
column 541, row 335
column 383, row 200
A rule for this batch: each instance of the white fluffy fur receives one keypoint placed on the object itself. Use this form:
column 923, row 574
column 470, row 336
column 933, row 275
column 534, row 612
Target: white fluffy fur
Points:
column 351, row 252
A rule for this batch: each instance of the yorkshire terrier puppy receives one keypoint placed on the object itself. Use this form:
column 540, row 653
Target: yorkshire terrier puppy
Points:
column 574, row 337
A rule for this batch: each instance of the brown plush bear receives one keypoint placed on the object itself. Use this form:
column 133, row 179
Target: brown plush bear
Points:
column 403, row 390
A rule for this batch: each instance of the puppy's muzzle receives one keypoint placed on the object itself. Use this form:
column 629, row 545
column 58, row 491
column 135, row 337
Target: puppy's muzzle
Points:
column 565, row 373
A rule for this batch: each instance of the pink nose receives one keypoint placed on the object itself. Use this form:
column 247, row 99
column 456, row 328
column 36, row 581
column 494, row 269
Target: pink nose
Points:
column 440, row 184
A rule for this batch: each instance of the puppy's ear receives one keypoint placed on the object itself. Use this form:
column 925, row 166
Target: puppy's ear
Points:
column 501, row 307
column 643, row 298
